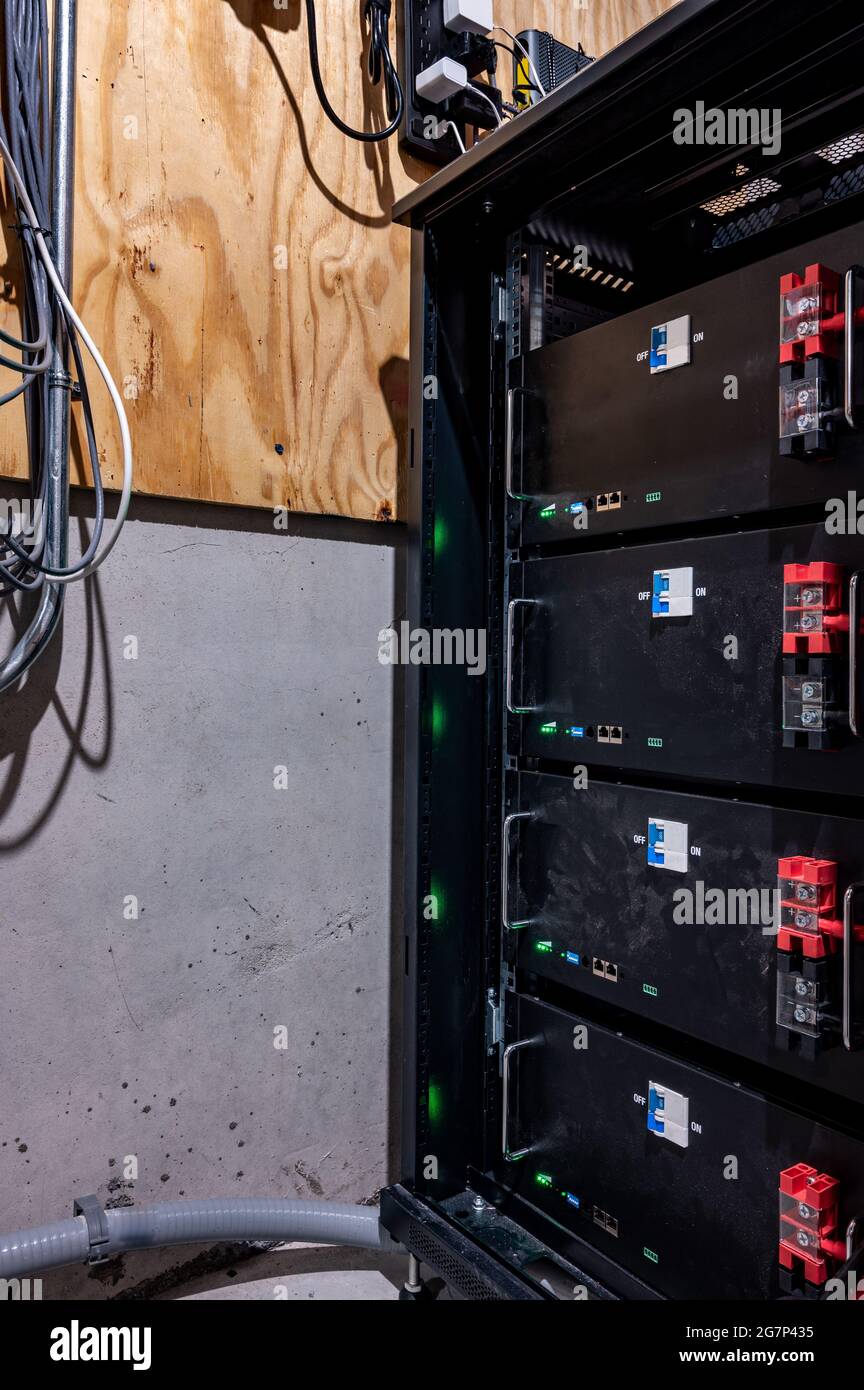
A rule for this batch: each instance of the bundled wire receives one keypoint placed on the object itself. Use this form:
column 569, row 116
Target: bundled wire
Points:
column 25, row 148
column 381, row 64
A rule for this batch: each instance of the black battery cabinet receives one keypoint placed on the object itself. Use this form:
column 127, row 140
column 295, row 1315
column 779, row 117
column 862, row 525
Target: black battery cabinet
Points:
column 634, row 888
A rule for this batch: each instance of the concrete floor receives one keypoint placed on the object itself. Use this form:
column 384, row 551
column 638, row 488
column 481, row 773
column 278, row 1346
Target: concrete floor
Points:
column 300, row 1273
column 138, row 1050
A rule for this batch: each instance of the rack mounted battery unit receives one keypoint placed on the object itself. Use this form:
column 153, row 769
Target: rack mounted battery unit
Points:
column 735, row 923
column 635, row 845
column 669, row 1170
column 693, row 408
column 733, row 658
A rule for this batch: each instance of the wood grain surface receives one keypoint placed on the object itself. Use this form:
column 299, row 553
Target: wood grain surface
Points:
column 234, row 256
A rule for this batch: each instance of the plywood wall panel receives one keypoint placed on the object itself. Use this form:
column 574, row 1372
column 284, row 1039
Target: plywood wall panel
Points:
column 598, row 24
column 234, row 254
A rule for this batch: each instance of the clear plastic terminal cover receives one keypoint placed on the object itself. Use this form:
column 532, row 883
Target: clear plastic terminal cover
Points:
column 799, row 1224
column 801, row 408
column 801, row 312
column 803, row 703
column 799, row 1003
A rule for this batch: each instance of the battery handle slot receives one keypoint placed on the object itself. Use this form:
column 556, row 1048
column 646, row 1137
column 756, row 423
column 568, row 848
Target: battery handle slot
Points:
column 508, row 660
column 854, row 643
column 853, row 306
column 851, row 1037
column 511, row 1155
column 509, row 433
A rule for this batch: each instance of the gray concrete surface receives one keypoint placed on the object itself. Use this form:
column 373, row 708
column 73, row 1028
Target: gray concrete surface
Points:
column 152, row 1038
column 300, row 1273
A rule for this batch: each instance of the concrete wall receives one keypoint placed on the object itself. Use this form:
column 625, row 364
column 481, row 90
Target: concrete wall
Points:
column 153, row 777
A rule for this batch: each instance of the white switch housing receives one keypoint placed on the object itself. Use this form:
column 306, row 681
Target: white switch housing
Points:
column 442, row 80
column 670, row 345
column 468, row 16
column 667, row 844
column 672, row 593
column 668, row 1114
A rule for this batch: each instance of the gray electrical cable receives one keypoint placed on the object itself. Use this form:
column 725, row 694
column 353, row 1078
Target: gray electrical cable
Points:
column 25, row 149
column 194, row 1222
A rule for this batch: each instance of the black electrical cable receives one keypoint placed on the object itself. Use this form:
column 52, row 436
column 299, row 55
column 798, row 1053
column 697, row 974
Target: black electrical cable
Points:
column 380, row 64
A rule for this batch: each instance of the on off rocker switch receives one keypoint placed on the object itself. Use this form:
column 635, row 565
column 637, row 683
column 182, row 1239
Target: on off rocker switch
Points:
column 668, row 1114
column 811, row 323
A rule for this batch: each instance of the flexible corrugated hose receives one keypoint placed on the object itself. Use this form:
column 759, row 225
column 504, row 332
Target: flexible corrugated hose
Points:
column 194, row 1222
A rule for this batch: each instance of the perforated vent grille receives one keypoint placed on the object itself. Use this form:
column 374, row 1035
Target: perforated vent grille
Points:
column 730, row 232
column 431, row 1251
column 845, row 184
column 748, row 193
column 843, row 149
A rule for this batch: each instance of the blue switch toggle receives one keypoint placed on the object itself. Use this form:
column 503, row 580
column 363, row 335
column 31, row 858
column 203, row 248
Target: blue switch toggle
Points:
column 656, row 852
column 668, row 1114
column 659, row 604
column 658, row 346
column 656, row 1105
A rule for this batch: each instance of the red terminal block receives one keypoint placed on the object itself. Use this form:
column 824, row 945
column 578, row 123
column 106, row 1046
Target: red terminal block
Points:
column 814, row 623
column 808, row 901
column 808, row 907
column 811, row 317
column 809, row 1214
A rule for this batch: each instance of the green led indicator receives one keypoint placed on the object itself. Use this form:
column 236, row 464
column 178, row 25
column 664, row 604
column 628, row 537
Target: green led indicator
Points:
column 439, row 535
column 653, row 496
column 435, row 903
column 435, row 1104
column 438, row 721
column 550, row 728
column 544, row 946
column 650, row 989
column 542, row 1179
column 649, row 1255
column 655, row 743
column 548, row 511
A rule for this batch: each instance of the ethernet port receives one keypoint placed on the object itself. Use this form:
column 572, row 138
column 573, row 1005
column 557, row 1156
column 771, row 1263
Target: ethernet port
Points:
column 602, row 501
column 616, row 733
column 599, row 967
column 612, row 1225
column 614, row 501
column 602, row 733
column 599, row 1217
column 611, row 971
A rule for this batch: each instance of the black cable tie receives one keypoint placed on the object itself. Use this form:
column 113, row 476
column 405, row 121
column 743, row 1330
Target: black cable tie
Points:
column 97, row 1227
column 21, row 227
column 62, row 381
